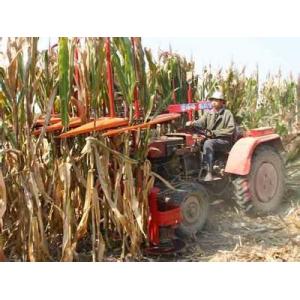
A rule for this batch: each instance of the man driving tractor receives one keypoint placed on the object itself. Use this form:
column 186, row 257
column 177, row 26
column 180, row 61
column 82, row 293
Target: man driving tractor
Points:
column 219, row 125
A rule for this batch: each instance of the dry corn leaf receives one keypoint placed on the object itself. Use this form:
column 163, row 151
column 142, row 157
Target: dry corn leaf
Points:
column 3, row 200
column 102, row 164
column 40, row 227
column 41, row 188
column 65, row 177
column 118, row 190
column 64, row 170
column 98, row 242
column 130, row 185
column 34, row 241
column 164, row 181
column 82, row 226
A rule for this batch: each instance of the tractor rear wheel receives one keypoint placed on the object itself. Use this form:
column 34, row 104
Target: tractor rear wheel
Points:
column 193, row 202
column 263, row 189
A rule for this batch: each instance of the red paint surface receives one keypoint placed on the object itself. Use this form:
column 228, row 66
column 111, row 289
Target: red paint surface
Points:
column 240, row 156
column 190, row 100
column 170, row 217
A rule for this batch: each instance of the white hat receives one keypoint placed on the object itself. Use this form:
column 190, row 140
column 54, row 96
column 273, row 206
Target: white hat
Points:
column 217, row 95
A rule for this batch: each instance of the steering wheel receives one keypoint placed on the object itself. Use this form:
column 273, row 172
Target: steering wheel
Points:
column 204, row 132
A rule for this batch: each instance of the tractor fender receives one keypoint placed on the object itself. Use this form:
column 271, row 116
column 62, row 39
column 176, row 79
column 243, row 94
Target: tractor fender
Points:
column 240, row 156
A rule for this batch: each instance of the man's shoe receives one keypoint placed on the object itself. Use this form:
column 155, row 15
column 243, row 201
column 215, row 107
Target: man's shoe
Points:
column 208, row 177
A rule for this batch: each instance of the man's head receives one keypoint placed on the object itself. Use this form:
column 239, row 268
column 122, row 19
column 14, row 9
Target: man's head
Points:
column 217, row 100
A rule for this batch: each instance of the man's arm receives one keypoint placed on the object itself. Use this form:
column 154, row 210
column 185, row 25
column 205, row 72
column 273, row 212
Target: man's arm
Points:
column 201, row 122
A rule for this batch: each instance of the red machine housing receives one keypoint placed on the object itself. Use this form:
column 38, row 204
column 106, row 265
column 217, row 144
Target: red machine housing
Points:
column 240, row 155
column 166, row 145
column 171, row 216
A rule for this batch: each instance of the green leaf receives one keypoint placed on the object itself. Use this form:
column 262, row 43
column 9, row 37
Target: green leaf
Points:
column 64, row 86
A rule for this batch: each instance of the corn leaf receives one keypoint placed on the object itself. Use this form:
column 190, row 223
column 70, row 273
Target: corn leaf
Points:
column 64, row 86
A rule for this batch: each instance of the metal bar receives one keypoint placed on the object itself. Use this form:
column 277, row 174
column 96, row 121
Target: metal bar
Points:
column 190, row 100
column 136, row 88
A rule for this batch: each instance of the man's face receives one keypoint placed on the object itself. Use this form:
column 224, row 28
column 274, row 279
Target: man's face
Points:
column 217, row 104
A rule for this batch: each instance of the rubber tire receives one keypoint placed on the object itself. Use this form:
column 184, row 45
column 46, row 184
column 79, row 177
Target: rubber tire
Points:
column 241, row 192
column 244, row 186
column 199, row 191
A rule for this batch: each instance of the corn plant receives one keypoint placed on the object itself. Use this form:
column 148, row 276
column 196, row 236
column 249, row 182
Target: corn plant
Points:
column 208, row 83
column 79, row 199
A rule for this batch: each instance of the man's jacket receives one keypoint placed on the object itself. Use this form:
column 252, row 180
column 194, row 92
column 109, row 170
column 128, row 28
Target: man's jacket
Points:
column 220, row 123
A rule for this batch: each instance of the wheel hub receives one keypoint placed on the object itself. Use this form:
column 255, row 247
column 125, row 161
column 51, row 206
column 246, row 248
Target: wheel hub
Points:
column 191, row 209
column 266, row 182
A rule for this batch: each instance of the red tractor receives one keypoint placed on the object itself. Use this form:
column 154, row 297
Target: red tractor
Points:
column 252, row 173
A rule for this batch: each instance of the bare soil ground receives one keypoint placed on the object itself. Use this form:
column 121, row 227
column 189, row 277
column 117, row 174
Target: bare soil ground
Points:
column 231, row 235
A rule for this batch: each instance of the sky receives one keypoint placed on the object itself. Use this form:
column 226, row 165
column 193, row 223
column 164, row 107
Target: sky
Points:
column 269, row 54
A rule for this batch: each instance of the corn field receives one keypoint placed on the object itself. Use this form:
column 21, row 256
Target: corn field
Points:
column 81, row 198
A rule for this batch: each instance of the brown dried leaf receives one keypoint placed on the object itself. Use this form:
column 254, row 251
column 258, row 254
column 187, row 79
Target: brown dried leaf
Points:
column 68, row 247
column 3, row 200
column 82, row 226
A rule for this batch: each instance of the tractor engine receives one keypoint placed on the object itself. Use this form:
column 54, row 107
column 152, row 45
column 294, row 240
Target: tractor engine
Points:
column 175, row 156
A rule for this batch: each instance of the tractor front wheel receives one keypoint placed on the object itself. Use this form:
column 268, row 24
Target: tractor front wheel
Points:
column 193, row 202
column 263, row 189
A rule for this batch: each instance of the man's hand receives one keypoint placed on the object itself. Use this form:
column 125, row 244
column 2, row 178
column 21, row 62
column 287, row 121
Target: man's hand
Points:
column 189, row 123
column 210, row 134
